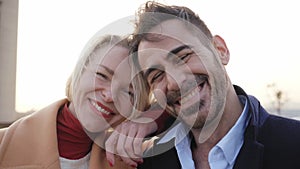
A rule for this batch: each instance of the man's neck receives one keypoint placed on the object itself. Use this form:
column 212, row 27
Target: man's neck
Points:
column 232, row 111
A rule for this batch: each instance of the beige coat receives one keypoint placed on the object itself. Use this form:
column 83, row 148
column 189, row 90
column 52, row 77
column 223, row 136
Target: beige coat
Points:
column 31, row 143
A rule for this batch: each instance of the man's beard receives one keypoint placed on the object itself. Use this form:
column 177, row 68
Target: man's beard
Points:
column 191, row 112
column 194, row 120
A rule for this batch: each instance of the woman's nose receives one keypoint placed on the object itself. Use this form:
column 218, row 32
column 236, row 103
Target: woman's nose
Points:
column 107, row 95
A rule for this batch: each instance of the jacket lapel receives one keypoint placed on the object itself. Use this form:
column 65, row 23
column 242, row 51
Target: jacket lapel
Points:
column 250, row 156
column 251, row 153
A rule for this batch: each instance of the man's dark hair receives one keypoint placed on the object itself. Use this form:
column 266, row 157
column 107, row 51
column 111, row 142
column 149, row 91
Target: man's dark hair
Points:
column 153, row 13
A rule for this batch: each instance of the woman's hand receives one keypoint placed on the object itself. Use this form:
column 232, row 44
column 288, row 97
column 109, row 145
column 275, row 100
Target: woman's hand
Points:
column 127, row 139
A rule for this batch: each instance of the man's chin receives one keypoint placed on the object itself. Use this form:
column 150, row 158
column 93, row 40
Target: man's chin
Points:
column 193, row 121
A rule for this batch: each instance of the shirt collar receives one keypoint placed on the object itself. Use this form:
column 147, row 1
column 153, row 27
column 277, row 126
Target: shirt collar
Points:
column 231, row 143
column 179, row 132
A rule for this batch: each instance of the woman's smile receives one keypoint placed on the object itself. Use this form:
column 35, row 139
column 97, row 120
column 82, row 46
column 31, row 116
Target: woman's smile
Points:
column 102, row 110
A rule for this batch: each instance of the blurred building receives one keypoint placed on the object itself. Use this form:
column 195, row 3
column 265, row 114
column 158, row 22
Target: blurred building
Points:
column 8, row 59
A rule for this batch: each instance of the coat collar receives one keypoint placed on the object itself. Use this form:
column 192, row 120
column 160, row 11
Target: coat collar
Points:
column 26, row 140
column 251, row 153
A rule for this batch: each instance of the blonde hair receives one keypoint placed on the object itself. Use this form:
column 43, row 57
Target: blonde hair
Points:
column 97, row 42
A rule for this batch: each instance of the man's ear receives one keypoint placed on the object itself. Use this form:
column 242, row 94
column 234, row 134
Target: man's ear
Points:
column 222, row 49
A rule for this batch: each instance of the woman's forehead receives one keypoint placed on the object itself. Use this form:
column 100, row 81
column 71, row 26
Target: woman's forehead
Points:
column 110, row 57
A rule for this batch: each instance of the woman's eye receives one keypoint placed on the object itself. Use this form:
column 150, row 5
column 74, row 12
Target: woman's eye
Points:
column 101, row 75
column 156, row 76
column 127, row 93
column 130, row 93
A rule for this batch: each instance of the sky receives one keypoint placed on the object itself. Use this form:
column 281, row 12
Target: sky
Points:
column 262, row 37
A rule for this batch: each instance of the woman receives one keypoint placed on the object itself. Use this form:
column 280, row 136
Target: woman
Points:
column 63, row 134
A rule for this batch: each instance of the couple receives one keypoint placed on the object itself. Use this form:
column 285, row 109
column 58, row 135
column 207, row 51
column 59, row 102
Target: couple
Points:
column 182, row 64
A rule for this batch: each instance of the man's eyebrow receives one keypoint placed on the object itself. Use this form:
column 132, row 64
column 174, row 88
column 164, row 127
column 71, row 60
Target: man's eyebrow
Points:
column 177, row 50
column 111, row 72
column 151, row 69
column 170, row 54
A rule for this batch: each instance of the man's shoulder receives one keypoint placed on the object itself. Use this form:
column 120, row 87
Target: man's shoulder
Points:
column 284, row 123
column 277, row 129
column 280, row 138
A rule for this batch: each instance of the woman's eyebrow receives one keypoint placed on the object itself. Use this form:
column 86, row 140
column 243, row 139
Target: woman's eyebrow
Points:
column 111, row 72
column 151, row 69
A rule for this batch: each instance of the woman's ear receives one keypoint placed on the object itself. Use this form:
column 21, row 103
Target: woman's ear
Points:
column 222, row 49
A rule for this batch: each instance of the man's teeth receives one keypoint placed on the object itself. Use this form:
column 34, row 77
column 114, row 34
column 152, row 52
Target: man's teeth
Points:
column 190, row 95
column 100, row 108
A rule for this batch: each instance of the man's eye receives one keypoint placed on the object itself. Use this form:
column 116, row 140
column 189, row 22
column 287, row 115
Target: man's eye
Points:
column 183, row 58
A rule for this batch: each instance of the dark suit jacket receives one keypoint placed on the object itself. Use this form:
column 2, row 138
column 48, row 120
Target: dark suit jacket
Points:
column 270, row 142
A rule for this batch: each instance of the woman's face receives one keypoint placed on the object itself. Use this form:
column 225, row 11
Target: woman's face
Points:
column 102, row 96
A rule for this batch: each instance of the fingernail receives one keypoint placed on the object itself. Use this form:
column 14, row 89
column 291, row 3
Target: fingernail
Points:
column 133, row 165
column 110, row 163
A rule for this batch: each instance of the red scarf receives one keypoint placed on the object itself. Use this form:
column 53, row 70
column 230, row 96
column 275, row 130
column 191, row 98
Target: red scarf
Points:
column 73, row 142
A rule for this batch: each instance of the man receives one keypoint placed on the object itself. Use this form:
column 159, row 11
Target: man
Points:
column 220, row 125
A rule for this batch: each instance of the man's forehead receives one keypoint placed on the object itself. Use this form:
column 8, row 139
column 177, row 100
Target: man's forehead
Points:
column 168, row 36
column 170, row 29
column 163, row 45
column 154, row 50
column 161, row 42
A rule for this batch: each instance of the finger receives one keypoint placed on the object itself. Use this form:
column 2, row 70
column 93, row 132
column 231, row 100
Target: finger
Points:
column 129, row 143
column 127, row 150
column 110, row 147
column 121, row 140
column 129, row 162
column 125, row 144
column 137, row 143
column 134, row 142
column 110, row 158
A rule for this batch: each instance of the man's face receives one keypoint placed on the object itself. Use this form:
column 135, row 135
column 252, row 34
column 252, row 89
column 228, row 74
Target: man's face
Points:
column 184, row 73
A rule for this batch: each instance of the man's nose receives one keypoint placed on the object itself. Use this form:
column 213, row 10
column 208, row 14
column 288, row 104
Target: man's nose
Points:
column 174, row 81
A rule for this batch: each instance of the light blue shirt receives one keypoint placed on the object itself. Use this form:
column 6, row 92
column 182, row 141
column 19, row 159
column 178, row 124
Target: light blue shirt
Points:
column 223, row 154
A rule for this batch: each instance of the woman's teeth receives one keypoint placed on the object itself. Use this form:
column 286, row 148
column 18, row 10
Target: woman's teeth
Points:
column 100, row 109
